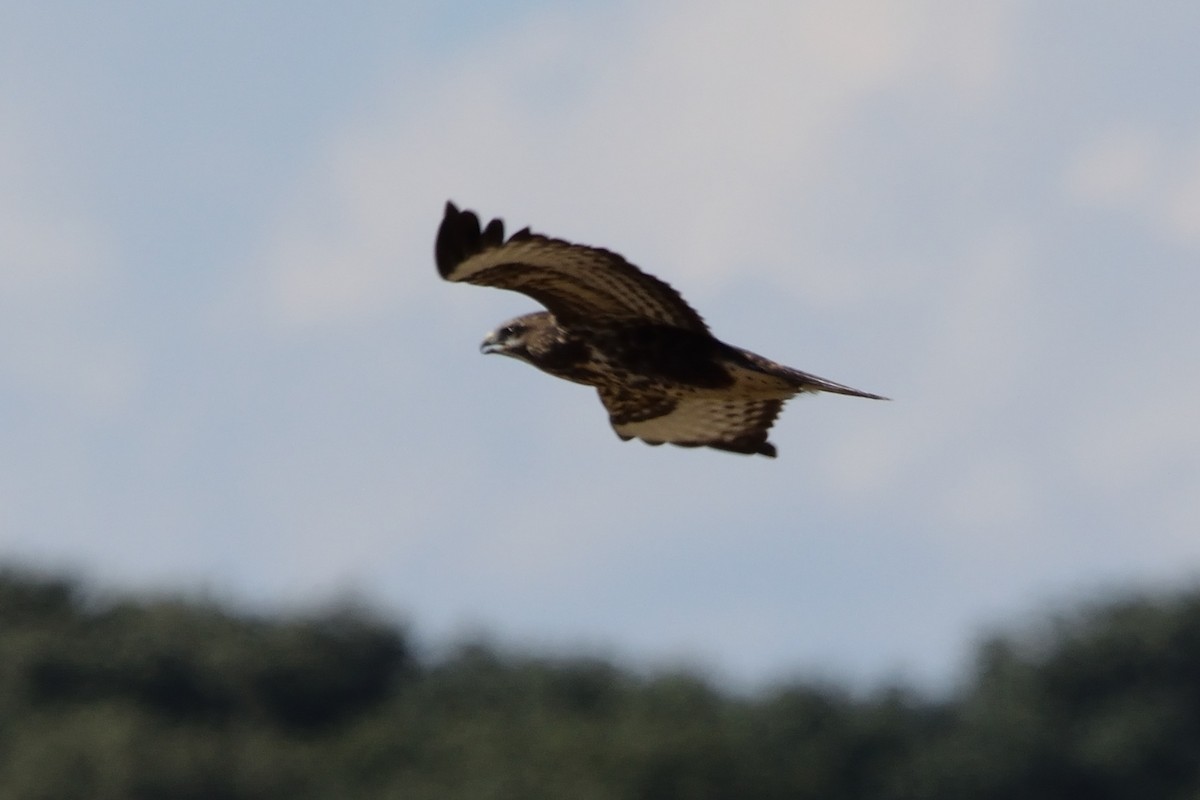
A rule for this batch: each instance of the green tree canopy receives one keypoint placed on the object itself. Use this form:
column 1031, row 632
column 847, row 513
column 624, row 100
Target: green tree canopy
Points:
column 132, row 697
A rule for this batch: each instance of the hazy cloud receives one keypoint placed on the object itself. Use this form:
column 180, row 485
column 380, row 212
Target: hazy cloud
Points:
column 957, row 206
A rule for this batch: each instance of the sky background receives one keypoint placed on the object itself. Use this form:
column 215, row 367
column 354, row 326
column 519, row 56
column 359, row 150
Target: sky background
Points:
column 228, row 366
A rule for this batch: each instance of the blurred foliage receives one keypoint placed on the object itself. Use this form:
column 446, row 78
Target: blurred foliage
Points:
column 164, row 698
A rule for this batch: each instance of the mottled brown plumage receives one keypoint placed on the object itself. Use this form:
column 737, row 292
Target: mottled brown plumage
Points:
column 660, row 373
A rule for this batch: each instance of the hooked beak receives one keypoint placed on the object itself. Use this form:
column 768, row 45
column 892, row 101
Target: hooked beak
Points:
column 491, row 344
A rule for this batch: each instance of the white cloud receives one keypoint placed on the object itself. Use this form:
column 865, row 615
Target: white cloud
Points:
column 711, row 120
column 716, row 145
column 1115, row 169
column 1182, row 205
column 855, row 187
column 961, row 366
column 1144, row 174
column 55, row 276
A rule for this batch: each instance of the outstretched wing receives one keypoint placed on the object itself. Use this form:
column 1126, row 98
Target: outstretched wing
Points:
column 739, row 425
column 574, row 282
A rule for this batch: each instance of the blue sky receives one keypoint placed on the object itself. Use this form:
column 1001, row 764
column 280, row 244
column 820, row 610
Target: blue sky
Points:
column 227, row 364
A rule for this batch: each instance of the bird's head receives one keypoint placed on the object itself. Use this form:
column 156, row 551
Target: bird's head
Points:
column 520, row 337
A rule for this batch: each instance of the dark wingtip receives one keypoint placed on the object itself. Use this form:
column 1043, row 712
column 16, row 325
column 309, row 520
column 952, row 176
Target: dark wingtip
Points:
column 459, row 237
column 768, row 450
column 493, row 234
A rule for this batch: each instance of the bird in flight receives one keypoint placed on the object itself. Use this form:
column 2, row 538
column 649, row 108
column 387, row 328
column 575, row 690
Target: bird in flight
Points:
column 661, row 375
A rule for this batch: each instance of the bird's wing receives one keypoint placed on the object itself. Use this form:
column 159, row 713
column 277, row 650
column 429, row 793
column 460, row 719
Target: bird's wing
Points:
column 739, row 425
column 574, row 282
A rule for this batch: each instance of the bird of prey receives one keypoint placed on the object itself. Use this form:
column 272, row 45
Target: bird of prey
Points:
column 660, row 373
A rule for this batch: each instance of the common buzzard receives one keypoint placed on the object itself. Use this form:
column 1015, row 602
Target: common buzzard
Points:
column 660, row 373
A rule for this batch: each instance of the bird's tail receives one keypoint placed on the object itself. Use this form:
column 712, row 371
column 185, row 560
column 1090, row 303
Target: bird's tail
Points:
column 811, row 383
column 792, row 378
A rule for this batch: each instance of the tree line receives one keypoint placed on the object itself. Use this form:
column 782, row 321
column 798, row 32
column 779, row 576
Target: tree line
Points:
column 148, row 697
